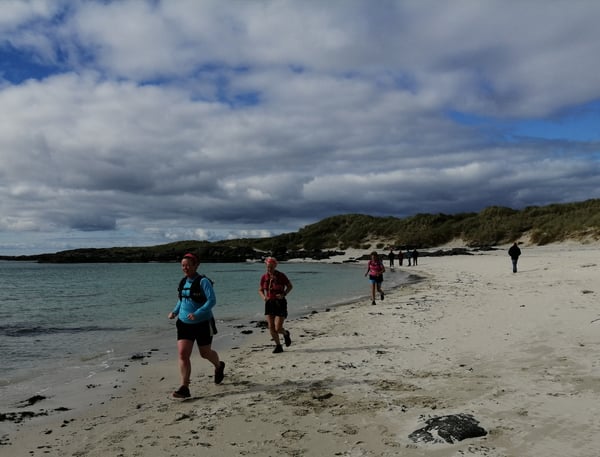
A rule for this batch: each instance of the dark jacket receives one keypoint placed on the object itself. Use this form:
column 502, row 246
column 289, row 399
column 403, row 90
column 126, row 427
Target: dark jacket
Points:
column 514, row 252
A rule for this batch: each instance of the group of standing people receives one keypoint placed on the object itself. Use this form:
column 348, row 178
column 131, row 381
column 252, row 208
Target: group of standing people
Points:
column 410, row 256
column 196, row 323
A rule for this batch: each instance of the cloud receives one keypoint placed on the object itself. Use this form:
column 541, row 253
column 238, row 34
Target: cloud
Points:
column 143, row 122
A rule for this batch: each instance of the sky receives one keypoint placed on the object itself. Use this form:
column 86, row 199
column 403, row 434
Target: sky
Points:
column 138, row 123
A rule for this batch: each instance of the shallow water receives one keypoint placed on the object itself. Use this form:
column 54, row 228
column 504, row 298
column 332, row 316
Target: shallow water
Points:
column 61, row 322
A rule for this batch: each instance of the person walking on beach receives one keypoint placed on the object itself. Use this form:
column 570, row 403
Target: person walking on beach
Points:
column 274, row 287
column 391, row 256
column 408, row 256
column 415, row 256
column 514, row 252
column 195, row 323
column 400, row 257
column 375, row 270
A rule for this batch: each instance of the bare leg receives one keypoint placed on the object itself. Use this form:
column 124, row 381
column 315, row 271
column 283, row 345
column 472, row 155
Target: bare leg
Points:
column 271, row 320
column 279, row 325
column 184, row 349
column 208, row 353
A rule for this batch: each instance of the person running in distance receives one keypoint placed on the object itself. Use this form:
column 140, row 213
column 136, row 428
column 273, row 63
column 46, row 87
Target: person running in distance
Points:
column 195, row 323
column 274, row 287
column 375, row 270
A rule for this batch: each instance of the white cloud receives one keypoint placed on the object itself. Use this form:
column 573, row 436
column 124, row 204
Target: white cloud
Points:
column 139, row 122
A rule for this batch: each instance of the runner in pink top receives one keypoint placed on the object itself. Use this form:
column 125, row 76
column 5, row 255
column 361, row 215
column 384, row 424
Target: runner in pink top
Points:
column 375, row 270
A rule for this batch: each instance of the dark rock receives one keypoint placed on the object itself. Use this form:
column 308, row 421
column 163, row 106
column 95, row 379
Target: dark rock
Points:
column 19, row 417
column 322, row 395
column 441, row 252
column 32, row 400
column 449, row 429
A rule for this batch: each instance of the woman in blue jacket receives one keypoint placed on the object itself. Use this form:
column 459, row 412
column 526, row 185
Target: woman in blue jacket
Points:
column 195, row 323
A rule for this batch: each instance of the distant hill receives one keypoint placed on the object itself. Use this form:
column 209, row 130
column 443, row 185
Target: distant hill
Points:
column 493, row 226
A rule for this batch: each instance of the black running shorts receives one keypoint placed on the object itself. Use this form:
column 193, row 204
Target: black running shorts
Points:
column 202, row 332
column 276, row 307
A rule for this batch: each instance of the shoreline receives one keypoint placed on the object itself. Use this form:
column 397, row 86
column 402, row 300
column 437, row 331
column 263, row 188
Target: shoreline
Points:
column 96, row 386
column 516, row 351
column 113, row 352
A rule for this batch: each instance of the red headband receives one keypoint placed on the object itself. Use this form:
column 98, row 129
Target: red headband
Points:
column 191, row 256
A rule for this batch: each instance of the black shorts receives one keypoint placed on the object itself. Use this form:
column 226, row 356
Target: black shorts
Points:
column 276, row 307
column 202, row 332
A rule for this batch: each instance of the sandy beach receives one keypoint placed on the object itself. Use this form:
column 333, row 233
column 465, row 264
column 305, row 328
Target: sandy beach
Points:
column 516, row 352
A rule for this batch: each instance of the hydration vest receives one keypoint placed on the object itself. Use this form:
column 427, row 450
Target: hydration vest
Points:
column 196, row 292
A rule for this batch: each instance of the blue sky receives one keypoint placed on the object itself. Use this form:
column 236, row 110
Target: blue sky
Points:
column 136, row 123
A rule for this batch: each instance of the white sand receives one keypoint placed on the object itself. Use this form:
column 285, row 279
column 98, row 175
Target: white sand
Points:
column 517, row 351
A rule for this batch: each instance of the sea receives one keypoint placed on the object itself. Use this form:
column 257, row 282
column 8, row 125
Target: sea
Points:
column 64, row 322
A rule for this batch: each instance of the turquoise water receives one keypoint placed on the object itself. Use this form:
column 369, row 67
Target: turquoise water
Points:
column 63, row 321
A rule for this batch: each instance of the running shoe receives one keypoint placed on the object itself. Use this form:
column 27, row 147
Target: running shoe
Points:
column 182, row 392
column 220, row 373
column 287, row 339
column 277, row 349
